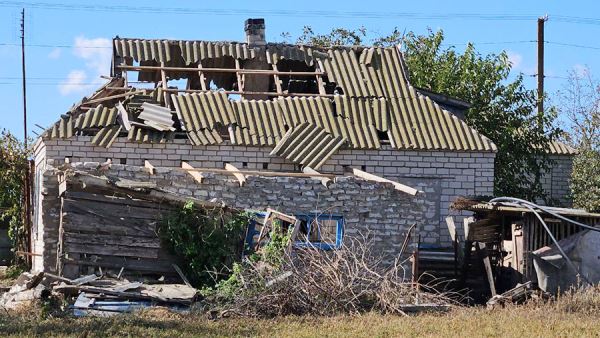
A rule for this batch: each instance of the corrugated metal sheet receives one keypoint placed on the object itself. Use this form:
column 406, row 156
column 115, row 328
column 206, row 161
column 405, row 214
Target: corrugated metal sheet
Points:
column 277, row 52
column 321, row 112
column 559, row 148
column 308, row 145
column 106, row 136
column 156, row 116
column 259, row 122
column 190, row 51
column 199, row 111
column 98, row 117
column 419, row 123
column 143, row 135
column 204, row 137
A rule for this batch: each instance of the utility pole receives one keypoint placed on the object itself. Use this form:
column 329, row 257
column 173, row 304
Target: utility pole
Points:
column 27, row 187
column 540, row 64
column 23, row 73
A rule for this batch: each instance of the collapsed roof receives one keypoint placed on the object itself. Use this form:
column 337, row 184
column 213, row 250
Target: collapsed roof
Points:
column 265, row 95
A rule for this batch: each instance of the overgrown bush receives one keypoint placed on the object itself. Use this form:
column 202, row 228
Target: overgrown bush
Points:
column 209, row 241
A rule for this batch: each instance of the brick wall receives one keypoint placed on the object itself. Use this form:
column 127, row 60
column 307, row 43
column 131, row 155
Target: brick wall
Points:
column 442, row 175
column 556, row 182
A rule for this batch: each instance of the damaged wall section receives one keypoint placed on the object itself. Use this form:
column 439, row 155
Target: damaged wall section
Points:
column 371, row 208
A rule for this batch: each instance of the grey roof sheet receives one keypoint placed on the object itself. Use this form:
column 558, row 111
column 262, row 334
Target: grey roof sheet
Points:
column 309, row 145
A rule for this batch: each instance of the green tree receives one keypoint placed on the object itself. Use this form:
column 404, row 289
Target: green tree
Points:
column 585, row 180
column 13, row 167
column 502, row 110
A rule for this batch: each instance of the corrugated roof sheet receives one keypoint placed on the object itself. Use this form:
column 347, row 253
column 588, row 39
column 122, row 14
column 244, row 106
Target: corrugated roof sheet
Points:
column 559, row 148
column 259, row 122
column 106, row 136
column 309, row 145
column 144, row 135
column 377, row 98
column 189, row 51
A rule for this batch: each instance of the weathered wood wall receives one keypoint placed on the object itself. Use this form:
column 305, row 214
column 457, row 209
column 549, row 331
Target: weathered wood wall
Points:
column 107, row 232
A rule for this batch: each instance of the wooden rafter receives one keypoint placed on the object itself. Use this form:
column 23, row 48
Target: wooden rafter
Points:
column 195, row 174
column 233, row 170
column 371, row 177
column 326, row 181
column 264, row 72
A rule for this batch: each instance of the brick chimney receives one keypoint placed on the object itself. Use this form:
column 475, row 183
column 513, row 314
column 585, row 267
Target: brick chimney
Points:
column 255, row 32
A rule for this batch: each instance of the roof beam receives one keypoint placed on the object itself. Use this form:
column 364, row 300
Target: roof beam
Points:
column 149, row 167
column 195, row 174
column 233, row 170
column 326, row 181
column 375, row 178
column 219, row 70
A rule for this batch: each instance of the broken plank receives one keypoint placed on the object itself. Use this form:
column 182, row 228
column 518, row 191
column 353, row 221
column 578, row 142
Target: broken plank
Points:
column 195, row 174
column 235, row 172
column 375, row 178
column 451, row 227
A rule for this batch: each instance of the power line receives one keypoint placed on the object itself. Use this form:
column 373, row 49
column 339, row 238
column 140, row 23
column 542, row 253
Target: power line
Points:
column 54, row 46
column 565, row 44
column 272, row 12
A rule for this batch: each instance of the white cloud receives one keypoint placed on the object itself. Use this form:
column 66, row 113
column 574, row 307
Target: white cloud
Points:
column 55, row 53
column 74, row 83
column 97, row 54
column 515, row 59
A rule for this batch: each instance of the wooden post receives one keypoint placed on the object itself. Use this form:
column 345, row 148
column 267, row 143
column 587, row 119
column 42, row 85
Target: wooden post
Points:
column 163, row 76
column 320, row 82
column 202, row 77
column 488, row 267
column 277, row 80
column 371, row 177
column 240, row 79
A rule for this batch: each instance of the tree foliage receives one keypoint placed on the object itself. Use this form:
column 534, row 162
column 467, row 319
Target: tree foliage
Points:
column 580, row 109
column 502, row 110
column 13, row 167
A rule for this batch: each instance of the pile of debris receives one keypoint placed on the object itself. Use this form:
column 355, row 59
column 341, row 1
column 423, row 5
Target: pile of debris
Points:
column 97, row 295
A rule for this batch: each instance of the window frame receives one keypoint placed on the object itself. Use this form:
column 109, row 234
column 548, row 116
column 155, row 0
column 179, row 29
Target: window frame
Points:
column 310, row 218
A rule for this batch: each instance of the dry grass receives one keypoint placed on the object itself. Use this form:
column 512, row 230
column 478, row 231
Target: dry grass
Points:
column 573, row 315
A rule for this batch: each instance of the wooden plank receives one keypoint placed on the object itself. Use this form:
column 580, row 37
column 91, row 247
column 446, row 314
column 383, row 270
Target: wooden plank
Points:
column 488, row 267
column 233, row 170
column 129, row 265
column 82, row 181
column 107, row 98
column 259, row 173
column 104, row 239
column 111, row 212
column 375, row 178
column 320, row 82
column 202, row 77
column 466, row 227
column 277, row 80
column 326, row 181
column 149, row 167
column 451, row 228
column 163, row 77
column 116, row 200
column 195, row 174
column 110, row 250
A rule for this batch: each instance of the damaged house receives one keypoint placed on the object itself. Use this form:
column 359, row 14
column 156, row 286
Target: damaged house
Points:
column 336, row 135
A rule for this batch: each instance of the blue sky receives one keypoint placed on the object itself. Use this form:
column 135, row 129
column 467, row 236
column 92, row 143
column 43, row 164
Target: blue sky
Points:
column 62, row 68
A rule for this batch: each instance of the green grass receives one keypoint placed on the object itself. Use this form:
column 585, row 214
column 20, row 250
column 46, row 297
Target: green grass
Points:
column 525, row 321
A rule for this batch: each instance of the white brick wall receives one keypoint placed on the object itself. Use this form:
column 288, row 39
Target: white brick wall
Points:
column 556, row 182
column 448, row 174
